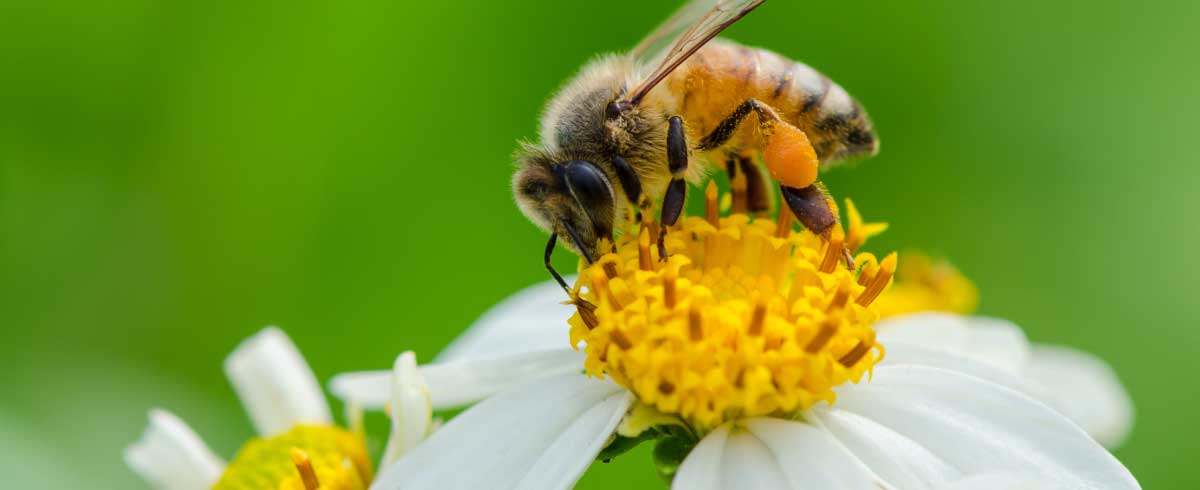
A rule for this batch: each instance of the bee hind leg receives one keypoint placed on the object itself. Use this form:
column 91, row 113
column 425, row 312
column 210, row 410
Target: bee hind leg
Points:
column 677, row 160
column 813, row 206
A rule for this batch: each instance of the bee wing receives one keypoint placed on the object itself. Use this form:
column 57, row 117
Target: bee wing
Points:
column 696, row 23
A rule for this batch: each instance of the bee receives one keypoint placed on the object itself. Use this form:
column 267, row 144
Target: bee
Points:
column 632, row 130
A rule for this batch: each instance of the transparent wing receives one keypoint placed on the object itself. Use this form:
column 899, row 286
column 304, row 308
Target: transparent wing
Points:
column 696, row 23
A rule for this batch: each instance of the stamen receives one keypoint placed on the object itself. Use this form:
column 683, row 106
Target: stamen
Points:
column 695, row 325
column 304, row 467
column 600, row 283
column 699, row 334
column 711, row 212
column 644, row 261
column 783, row 225
column 610, row 269
column 668, row 279
column 618, row 337
column 860, row 349
column 587, row 312
column 833, row 251
column 839, row 299
column 880, row 281
column 756, row 318
column 828, row 328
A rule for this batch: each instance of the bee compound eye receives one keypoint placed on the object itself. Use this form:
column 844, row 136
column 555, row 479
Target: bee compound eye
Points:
column 588, row 184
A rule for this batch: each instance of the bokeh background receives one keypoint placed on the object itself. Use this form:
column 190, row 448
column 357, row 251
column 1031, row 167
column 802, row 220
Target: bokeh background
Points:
column 176, row 175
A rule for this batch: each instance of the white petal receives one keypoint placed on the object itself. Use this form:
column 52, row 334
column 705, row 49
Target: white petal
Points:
column 532, row 319
column 411, row 410
column 990, row 341
column 547, row 431
column 170, row 456
column 458, row 383
column 999, row 481
column 1084, row 388
column 976, row 426
column 701, row 469
column 808, row 457
column 587, row 436
column 747, row 464
column 276, row 386
column 896, row 459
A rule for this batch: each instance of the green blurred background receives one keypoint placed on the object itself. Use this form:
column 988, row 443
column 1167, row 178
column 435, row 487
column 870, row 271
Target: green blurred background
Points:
column 174, row 177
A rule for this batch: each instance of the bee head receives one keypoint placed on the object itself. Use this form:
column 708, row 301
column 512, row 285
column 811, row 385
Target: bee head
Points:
column 573, row 199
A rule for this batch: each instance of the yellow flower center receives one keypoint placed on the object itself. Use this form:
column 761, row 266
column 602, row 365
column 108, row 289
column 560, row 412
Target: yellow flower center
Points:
column 746, row 317
column 305, row 458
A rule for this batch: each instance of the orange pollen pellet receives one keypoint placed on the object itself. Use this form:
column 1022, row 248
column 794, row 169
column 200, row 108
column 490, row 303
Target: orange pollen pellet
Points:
column 880, row 281
column 304, row 467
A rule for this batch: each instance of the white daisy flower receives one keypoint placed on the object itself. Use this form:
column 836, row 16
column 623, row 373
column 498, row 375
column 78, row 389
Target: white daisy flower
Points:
column 742, row 355
column 298, row 447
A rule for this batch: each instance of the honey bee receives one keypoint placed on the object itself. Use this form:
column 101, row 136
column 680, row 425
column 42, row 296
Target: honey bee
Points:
column 634, row 129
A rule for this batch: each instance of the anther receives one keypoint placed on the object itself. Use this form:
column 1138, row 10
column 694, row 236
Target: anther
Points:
column 783, row 224
column 828, row 328
column 868, row 271
column 666, row 387
column 644, row 261
column 587, row 312
column 711, row 212
column 839, row 298
column 600, row 284
column 610, row 269
column 833, row 251
column 860, row 349
column 756, row 318
column 618, row 337
column 695, row 325
column 668, row 279
column 880, row 281
column 304, row 467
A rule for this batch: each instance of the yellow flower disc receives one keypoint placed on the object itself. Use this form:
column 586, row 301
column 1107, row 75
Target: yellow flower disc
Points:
column 744, row 318
column 302, row 458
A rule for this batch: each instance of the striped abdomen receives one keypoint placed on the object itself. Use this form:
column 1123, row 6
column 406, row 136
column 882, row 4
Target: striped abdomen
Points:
column 723, row 74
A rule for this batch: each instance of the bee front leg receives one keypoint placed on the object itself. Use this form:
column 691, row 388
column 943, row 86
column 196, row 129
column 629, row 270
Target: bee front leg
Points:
column 632, row 185
column 677, row 161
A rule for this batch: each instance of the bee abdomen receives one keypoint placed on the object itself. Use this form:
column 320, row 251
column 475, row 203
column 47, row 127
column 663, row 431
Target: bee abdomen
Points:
column 723, row 74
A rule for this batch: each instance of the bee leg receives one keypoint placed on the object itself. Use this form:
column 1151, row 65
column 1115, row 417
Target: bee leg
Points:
column 786, row 150
column 632, row 185
column 757, row 197
column 812, row 206
column 546, row 261
column 677, row 160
